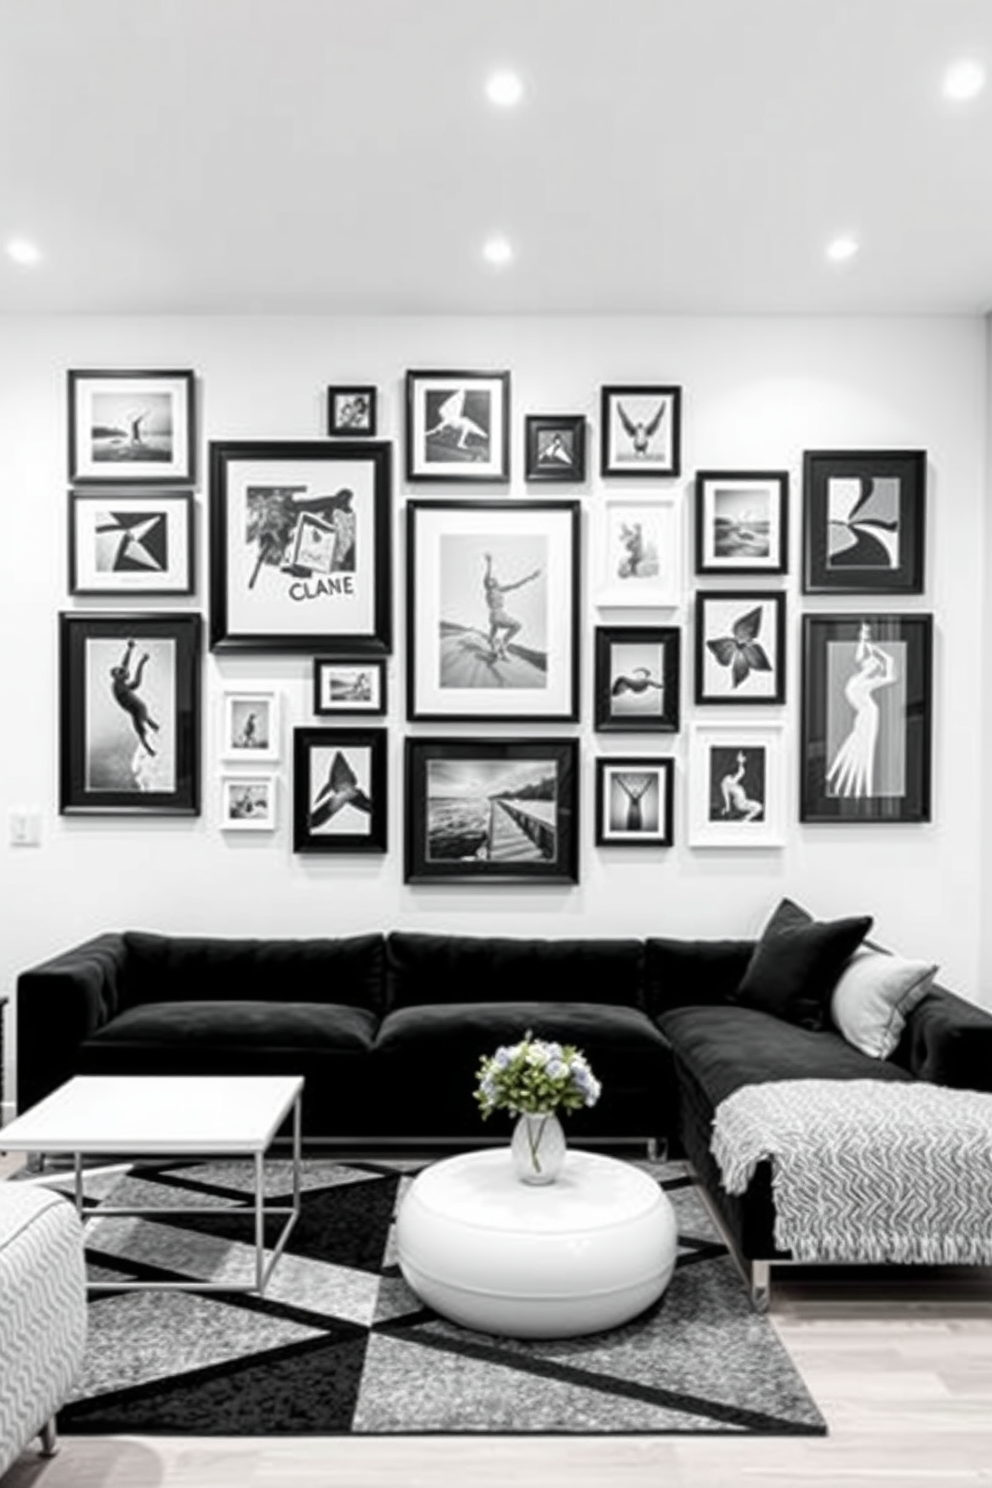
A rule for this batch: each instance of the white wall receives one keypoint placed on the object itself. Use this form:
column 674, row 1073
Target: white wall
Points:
column 756, row 393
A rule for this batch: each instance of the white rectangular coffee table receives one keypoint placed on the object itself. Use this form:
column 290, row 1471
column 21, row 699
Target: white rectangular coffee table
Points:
column 156, row 1116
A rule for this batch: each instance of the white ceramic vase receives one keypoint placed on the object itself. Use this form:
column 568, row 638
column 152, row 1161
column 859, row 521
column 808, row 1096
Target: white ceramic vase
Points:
column 538, row 1147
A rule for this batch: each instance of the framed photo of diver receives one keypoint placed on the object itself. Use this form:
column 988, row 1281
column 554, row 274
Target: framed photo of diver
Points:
column 457, row 426
column 343, row 685
column 555, row 447
column 740, row 646
column 339, row 790
column 251, row 726
column 634, row 802
column 736, row 785
column 492, row 611
column 742, row 522
column 130, row 714
column 638, row 545
column 864, row 521
column 130, row 544
column 866, row 718
column 133, row 428
column 641, row 430
column 300, row 556
column 637, row 678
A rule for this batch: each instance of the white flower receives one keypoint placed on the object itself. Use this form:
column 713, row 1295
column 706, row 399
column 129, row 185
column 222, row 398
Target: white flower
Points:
column 556, row 1068
column 502, row 1057
column 537, row 1054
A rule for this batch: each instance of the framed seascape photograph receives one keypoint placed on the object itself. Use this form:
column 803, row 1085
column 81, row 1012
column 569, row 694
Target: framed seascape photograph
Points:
column 637, row 679
column 137, row 428
column 492, row 809
column 866, row 718
column 864, row 521
column 458, row 426
column 740, row 646
column 130, row 714
column 251, row 726
column 634, row 802
column 555, row 447
column 736, row 785
column 351, row 412
column 131, row 544
column 247, row 803
column 300, row 546
column 339, row 790
column 350, row 685
column 641, row 430
column 742, row 522
column 493, row 610
column 639, row 553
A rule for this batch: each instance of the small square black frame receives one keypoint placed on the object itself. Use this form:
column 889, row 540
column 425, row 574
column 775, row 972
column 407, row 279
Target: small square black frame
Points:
column 571, row 471
column 666, row 772
column 337, row 430
column 606, row 720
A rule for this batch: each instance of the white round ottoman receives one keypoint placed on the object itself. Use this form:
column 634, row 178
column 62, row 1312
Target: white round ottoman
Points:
column 587, row 1252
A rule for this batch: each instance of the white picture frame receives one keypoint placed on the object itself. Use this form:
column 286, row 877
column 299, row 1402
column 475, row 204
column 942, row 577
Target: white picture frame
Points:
column 251, row 725
column 640, row 563
column 248, row 803
column 737, row 789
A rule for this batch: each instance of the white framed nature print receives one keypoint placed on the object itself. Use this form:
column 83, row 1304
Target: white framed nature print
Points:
column 457, row 426
column 248, row 803
column 251, row 726
column 130, row 544
column 132, row 427
column 740, row 646
column 736, row 786
column 742, row 522
column 634, row 802
column 641, row 430
column 639, row 553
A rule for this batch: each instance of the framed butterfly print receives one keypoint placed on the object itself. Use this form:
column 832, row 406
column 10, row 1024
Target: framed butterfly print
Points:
column 740, row 647
column 864, row 521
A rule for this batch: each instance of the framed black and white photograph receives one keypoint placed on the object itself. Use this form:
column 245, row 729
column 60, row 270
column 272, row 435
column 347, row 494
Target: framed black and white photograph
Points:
column 351, row 412
column 641, row 430
column 493, row 610
column 638, row 553
column 492, row 809
column 634, row 802
column 300, row 546
column 740, row 646
column 864, row 521
column 137, row 428
column 349, row 685
column 637, row 679
column 457, row 426
column 131, row 544
column 339, row 790
column 251, row 725
column 866, row 718
column 555, row 447
column 742, row 522
column 248, row 803
column 736, row 785
column 130, row 714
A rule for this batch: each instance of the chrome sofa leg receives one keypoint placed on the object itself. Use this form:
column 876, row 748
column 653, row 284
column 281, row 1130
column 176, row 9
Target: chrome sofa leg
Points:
column 652, row 1149
column 761, row 1285
column 49, row 1438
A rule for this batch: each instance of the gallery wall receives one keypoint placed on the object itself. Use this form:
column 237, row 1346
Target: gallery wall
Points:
column 757, row 392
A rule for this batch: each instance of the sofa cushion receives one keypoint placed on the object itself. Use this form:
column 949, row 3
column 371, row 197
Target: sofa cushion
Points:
column 679, row 973
column 265, row 1026
column 875, row 995
column 796, row 964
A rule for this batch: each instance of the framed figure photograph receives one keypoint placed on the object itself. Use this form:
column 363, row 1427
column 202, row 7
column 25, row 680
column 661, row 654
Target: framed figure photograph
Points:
column 742, row 522
column 300, row 546
column 555, row 447
column 350, row 685
column 864, row 521
column 251, row 727
column 351, row 412
column 492, row 809
column 131, row 544
column 339, row 790
column 736, row 785
column 634, row 802
column 740, row 646
column 641, row 430
column 493, row 610
column 247, row 803
column 458, row 426
column 136, row 428
column 637, row 679
column 130, row 714
column 639, row 553
column 866, row 718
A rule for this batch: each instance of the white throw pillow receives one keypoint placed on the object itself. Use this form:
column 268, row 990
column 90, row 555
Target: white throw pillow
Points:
column 875, row 995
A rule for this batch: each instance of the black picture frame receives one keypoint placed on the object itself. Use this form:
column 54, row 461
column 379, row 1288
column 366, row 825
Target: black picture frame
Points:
column 637, row 682
column 129, row 688
column 457, row 426
column 352, row 410
column 132, row 427
column 131, row 546
column 865, row 752
column 647, row 797
column 555, row 448
column 742, row 522
column 468, row 834
column 349, row 791
column 275, row 548
column 641, row 430
column 740, row 647
column 864, row 521
column 353, row 686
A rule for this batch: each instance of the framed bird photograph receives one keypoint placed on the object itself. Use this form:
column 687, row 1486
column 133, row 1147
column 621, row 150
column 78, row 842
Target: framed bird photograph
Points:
column 133, row 428
column 248, row 803
column 864, row 521
column 457, row 426
column 740, row 646
column 641, row 430
column 634, row 802
column 131, row 544
column 637, row 677
column 555, row 447
column 742, row 522
column 736, row 786
column 339, row 790
column 638, row 553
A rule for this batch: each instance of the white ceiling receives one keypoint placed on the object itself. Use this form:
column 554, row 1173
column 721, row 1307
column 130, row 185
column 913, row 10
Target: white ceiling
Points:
column 670, row 156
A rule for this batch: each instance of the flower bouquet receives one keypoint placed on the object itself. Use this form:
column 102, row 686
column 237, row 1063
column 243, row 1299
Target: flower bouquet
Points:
column 534, row 1081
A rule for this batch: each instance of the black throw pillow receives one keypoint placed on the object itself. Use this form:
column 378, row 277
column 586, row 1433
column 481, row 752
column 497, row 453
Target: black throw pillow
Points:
column 797, row 963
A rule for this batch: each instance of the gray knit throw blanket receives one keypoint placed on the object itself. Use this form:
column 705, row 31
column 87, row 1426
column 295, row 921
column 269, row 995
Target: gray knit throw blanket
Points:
column 864, row 1170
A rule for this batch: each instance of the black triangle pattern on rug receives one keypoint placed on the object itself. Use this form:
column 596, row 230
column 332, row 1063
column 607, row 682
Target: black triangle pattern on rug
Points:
column 341, row 1345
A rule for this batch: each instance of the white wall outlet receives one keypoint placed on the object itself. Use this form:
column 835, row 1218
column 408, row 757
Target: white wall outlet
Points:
column 24, row 827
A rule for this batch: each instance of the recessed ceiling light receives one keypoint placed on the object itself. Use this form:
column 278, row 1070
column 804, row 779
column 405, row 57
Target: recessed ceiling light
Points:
column 505, row 89
column 498, row 252
column 840, row 249
column 22, row 252
column 964, row 80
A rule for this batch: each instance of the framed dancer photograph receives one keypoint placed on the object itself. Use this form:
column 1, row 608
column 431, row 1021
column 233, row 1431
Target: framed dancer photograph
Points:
column 740, row 646
column 736, row 785
column 493, row 611
column 131, row 544
column 864, row 521
column 866, row 718
column 130, row 714
column 638, row 553
column 641, row 430
column 637, row 679
column 458, row 426
column 634, row 802
column 132, row 428
column 339, row 790
column 251, row 726
column 742, row 522
column 555, row 447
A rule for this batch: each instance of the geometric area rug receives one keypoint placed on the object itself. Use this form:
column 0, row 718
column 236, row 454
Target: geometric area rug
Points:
column 339, row 1344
